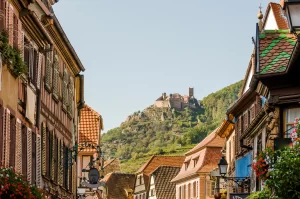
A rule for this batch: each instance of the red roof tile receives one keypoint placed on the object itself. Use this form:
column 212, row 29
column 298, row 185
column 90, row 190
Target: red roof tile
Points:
column 211, row 140
column 90, row 126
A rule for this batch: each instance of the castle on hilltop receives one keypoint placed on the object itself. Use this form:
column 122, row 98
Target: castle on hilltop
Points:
column 177, row 101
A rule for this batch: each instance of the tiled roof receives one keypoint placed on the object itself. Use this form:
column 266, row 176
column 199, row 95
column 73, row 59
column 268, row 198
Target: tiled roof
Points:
column 211, row 140
column 206, row 160
column 108, row 162
column 90, row 125
column 203, row 157
column 275, row 49
column 157, row 161
column 280, row 18
column 162, row 178
column 118, row 183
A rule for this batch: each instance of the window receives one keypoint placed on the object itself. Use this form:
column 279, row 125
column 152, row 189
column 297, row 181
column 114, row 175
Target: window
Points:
column 22, row 88
column 48, row 71
column 15, row 31
column 48, row 154
column 195, row 161
column 2, row 13
column 180, row 192
column 194, row 189
column 189, row 190
column 140, row 180
column 55, row 159
column 184, row 191
column 71, row 96
column 152, row 192
column 211, row 188
column 186, row 164
column 56, row 77
column 197, row 189
column 65, row 89
column 290, row 115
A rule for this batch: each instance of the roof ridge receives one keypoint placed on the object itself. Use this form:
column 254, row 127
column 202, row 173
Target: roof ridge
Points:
column 91, row 109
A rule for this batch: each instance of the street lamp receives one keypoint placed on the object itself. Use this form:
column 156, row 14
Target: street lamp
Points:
column 223, row 165
column 293, row 12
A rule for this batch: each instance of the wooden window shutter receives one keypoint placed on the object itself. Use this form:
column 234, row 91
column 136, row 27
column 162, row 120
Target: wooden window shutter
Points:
column 29, row 154
column 52, row 152
column 38, row 162
column 258, row 104
column 12, row 156
column 60, row 167
column 18, row 146
column 56, row 159
column 48, row 155
column 71, row 97
column 24, row 150
column 65, row 88
column 31, row 63
column 9, row 17
column 48, row 70
column 70, row 171
column 33, row 164
column 15, row 31
column 56, row 77
column 2, row 14
column 39, row 69
column 6, row 136
column 1, row 133
column 43, row 148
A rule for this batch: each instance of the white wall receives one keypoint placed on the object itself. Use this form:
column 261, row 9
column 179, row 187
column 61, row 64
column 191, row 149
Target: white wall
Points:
column 271, row 22
column 152, row 187
column 186, row 191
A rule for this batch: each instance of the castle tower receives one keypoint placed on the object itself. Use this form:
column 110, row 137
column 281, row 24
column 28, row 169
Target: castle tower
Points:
column 191, row 92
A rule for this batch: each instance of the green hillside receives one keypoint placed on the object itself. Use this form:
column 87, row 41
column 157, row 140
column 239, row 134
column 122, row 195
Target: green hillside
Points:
column 166, row 131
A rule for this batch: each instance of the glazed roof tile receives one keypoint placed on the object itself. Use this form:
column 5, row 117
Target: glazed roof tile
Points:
column 89, row 126
column 275, row 50
column 162, row 179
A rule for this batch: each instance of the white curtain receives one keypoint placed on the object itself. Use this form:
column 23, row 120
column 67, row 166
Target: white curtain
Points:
column 30, row 105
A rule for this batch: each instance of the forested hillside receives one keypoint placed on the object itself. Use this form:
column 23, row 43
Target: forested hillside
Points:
column 166, row 131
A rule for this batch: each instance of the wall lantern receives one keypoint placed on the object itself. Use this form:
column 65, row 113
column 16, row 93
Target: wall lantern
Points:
column 292, row 8
column 223, row 165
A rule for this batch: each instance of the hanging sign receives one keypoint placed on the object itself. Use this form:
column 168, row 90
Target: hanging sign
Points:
column 94, row 176
column 239, row 195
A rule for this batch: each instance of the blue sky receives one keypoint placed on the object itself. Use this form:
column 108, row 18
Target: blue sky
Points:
column 134, row 50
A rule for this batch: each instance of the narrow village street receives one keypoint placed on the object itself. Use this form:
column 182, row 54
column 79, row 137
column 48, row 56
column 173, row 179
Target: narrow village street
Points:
column 241, row 141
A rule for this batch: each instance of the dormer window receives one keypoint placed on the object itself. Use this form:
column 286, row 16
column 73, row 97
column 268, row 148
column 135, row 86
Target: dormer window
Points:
column 195, row 161
column 186, row 164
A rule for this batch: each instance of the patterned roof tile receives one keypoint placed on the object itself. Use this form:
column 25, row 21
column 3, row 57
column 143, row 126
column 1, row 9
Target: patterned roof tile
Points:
column 89, row 127
column 275, row 51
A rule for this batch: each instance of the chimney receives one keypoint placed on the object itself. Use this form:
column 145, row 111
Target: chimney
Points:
column 191, row 92
column 164, row 96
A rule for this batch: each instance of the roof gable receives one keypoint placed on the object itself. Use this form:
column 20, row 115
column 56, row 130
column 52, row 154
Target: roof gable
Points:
column 90, row 125
column 275, row 18
column 157, row 161
column 212, row 140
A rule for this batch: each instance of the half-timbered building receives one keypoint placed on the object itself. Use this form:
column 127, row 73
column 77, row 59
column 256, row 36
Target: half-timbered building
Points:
column 40, row 104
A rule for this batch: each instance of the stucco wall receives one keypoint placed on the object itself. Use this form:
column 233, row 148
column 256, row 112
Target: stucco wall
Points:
column 9, row 90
